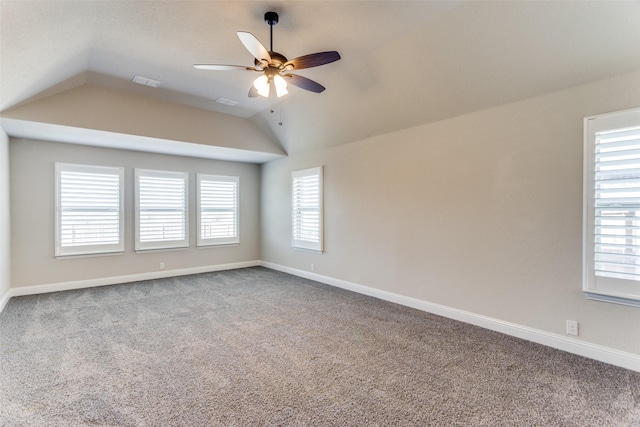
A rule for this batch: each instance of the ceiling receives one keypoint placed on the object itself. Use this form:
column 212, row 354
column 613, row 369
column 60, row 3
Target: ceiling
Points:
column 404, row 63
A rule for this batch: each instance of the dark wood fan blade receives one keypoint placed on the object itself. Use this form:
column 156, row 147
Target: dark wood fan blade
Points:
column 217, row 67
column 304, row 83
column 313, row 60
column 254, row 46
column 253, row 92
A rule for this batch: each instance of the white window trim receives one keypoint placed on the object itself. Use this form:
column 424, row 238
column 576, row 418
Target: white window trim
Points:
column 87, row 250
column 217, row 241
column 306, row 245
column 619, row 291
column 163, row 244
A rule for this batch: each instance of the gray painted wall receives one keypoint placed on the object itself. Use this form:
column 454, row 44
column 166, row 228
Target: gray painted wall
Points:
column 482, row 213
column 32, row 214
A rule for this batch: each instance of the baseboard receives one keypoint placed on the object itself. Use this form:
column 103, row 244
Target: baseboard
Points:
column 5, row 299
column 571, row 345
column 79, row 284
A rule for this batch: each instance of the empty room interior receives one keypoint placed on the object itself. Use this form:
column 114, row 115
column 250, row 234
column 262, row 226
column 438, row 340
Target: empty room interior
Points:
column 319, row 213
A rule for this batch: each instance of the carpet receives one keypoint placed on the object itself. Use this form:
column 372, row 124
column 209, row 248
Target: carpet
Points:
column 257, row 347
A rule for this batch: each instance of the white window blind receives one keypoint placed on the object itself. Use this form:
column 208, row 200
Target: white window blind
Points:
column 161, row 209
column 307, row 217
column 612, row 187
column 89, row 209
column 217, row 209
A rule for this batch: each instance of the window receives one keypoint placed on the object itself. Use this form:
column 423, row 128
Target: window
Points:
column 612, row 207
column 89, row 209
column 217, row 210
column 307, row 209
column 161, row 210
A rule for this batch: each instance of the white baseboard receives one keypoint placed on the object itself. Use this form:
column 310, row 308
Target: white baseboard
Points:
column 79, row 284
column 571, row 345
column 5, row 299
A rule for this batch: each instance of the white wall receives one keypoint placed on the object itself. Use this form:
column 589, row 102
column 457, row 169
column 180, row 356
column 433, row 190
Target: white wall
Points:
column 481, row 213
column 5, row 226
column 32, row 214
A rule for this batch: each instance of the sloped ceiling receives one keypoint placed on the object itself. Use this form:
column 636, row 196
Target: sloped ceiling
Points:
column 403, row 63
column 118, row 119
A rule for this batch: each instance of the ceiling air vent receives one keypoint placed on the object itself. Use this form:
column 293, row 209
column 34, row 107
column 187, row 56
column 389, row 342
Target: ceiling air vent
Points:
column 225, row 101
column 145, row 81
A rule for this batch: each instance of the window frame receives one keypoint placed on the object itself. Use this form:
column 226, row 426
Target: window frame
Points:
column 595, row 287
column 97, row 249
column 217, row 241
column 161, row 244
column 304, row 244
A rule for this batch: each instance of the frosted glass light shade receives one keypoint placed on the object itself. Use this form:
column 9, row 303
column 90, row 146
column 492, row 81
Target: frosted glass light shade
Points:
column 281, row 86
column 262, row 85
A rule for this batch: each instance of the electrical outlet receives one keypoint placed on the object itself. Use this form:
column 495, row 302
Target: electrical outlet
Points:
column 162, row 266
column 313, row 267
column 572, row 327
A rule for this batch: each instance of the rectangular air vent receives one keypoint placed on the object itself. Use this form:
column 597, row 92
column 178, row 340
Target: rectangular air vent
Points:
column 225, row 101
column 145, row 81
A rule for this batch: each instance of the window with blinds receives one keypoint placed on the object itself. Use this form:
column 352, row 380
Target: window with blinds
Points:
column 161, row 210
column 89, row 209
column 307, row 217
column 217, row 209
column 612, row 187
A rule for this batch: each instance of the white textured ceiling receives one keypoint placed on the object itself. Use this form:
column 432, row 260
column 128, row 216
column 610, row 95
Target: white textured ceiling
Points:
column 403, row 63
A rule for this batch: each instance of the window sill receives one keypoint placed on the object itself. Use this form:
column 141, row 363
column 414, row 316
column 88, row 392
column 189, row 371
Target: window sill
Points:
column 313, row 251
column 628, row 300
column 217, row 245
column 142, row 251
column 88, row 255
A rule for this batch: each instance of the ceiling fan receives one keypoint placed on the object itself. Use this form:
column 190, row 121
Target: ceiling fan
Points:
column 275, row 67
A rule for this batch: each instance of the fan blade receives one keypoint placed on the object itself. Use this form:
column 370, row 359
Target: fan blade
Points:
column 312, row 60
column 304, row 83
column 253, row 92
column 216, row 67
column 254, row 46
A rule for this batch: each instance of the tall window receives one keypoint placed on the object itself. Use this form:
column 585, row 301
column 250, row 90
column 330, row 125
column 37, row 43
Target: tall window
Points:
column 307, row 215
column 612, row 207
column 217, row 210
column 161, row 209
column 89, row 209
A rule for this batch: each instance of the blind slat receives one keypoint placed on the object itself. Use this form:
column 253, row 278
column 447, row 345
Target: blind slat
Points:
column 88, row 207
column 218, row 209
column 162, row 207
column 306, row 203
column 617, row 204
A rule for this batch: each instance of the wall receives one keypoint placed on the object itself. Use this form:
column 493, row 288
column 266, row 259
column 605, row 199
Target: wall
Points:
column 32, row 215
column 481, row 213
column 110, row 110
column 5, row 226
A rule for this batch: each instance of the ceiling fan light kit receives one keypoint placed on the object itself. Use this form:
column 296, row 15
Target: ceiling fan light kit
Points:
column 274, row 66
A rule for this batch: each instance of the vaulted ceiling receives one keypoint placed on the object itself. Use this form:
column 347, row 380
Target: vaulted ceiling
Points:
column 404, row 63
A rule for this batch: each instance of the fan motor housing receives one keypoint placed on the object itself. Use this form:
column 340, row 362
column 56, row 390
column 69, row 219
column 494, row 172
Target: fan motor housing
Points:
column 277, row 60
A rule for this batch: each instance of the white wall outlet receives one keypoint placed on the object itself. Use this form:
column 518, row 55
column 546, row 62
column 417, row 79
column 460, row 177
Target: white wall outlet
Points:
column 162, row 266
column 313, row 267
column 572, row 327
